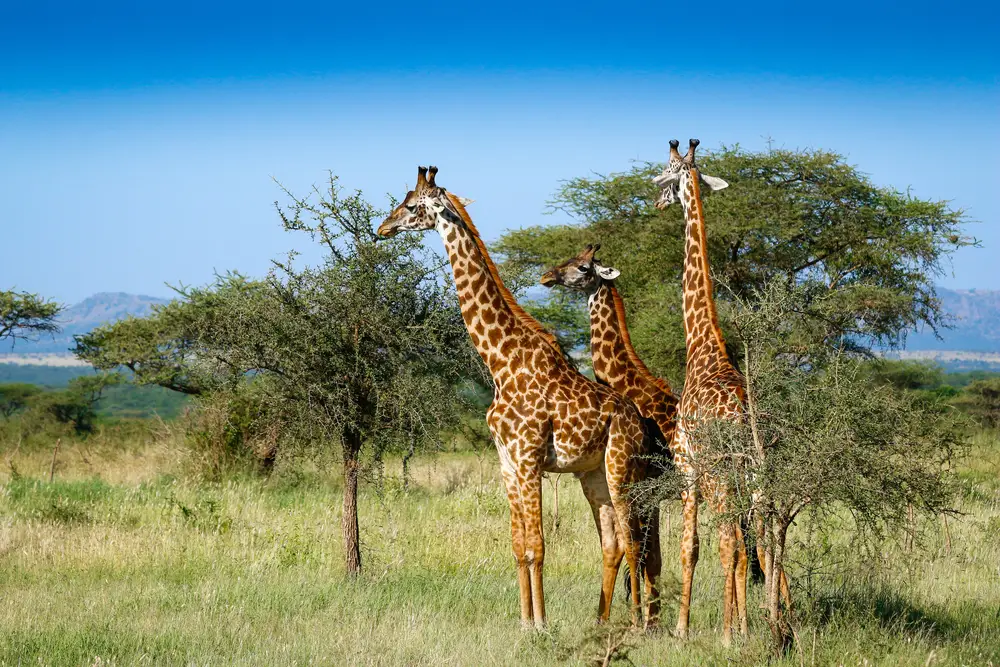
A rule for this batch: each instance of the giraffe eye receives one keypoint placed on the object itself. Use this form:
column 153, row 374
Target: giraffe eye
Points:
column 584, row 268
column 412, row 208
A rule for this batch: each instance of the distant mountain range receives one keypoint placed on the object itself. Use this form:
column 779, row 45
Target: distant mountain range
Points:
column 976, row 331
column 976, row 325
column 83, row 317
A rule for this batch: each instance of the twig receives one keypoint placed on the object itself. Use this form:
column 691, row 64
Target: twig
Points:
column 555, row 479
column 10, row 459
column 52, row 468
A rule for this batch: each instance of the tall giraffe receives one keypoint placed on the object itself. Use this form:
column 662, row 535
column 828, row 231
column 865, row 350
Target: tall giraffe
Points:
column 545, row 416
column 713, row 389
column 617, row 365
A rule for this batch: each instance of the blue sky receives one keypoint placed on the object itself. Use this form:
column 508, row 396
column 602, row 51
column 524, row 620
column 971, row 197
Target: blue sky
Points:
column 139, row 142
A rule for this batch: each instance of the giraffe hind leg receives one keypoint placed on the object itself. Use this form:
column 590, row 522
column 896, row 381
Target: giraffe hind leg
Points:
column 595, row 488
column 624, row 443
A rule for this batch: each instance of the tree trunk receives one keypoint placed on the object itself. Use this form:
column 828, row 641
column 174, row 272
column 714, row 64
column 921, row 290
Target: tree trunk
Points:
column 406, row 464
column 781, row 632
column 349, row 520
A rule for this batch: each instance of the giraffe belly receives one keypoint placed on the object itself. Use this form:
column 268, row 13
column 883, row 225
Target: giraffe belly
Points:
column 562, row 458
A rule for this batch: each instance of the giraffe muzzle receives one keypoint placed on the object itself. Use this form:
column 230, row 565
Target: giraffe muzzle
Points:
column 386, row 230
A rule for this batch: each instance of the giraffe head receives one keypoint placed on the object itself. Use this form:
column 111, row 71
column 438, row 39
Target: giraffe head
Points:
column 678, row 172
column 582, row 273
column 426, row 205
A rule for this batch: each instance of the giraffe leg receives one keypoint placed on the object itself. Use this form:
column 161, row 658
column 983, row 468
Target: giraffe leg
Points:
column 595, row 488
column 622, row 470
column 653, row 562
column 517, row 534
column 727, row 554
column 534, row 541
column 740, row 581
column 689, row 555
column 758, row 522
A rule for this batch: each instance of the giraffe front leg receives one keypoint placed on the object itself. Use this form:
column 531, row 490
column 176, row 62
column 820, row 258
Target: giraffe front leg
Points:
column 740, row 581
column 518, row 542
column 689, row 555
column 653, row 565
column 727, row 555
column 534, row 541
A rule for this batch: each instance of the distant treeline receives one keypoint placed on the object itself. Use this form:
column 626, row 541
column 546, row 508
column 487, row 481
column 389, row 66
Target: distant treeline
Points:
column 55, row 377
column 122, row 401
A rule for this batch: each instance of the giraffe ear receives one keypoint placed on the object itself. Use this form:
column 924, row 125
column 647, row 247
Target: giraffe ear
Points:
column 607, row 272
column 666, row 177
column 713, row 182
column 464, row 201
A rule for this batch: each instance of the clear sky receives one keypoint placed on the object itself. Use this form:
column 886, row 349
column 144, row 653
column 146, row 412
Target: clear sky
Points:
column 138, row 141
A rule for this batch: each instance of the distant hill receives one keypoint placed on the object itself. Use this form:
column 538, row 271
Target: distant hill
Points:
column 974, row 338
column 83, row 317
column 976, row 325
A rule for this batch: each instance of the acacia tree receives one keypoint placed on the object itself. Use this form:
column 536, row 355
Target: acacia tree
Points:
column 25, row 316
column 797, row 216
column 366, row 350
column 823, row 435
column 163, row 348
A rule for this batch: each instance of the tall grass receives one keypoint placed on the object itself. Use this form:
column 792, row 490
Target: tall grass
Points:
column 123, row 560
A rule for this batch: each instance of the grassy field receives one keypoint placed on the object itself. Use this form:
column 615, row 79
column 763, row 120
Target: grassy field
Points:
column 122, row 560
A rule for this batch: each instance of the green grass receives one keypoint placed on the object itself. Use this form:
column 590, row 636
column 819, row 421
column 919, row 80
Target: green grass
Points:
column 117, row 562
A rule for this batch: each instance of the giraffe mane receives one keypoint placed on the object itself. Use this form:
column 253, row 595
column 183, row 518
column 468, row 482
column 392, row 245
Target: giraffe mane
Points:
column 627, row 341
column 520, row 313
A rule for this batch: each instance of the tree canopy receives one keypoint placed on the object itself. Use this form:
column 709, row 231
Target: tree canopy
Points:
column 24, row 316
column 368, row 349
column 798, row 216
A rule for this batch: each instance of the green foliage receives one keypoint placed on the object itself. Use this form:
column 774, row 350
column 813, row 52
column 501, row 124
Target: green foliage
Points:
column 801, row 216
column 981, row 399
column 910, row 375
column 976, row 393
column 369, row 343
column 16, row 397
column 25, row 316
column 163, row 348
column 77, row 404
column 130, row 401
column 823, row 433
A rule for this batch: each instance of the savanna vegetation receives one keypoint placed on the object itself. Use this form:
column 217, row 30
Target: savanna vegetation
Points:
column 325, row 491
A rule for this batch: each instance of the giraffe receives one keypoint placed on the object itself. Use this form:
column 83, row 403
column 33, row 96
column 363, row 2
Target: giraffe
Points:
column 713, row 389
column 545, row 416
column 617, row 365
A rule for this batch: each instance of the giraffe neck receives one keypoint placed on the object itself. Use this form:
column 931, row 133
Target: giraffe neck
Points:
column 608, row 347
column 701, row 321
column 494, row 327
column 611, row 347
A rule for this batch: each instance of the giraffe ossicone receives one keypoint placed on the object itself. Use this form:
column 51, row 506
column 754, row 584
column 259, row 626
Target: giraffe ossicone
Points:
column 678, row 168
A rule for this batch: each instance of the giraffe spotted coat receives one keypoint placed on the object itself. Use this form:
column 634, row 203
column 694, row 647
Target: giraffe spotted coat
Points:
column 545, row 416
